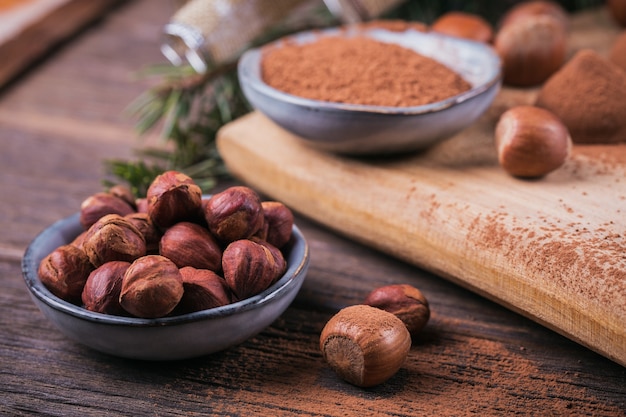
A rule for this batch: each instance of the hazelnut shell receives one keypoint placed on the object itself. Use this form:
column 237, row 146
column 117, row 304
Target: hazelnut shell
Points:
column 365, row 345
column 531, row 142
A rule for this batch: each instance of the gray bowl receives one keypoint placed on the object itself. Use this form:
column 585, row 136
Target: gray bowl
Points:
column 178, row 337
column 362, row 129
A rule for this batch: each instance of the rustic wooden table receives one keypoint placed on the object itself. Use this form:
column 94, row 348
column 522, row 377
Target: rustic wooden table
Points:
column 61, row 119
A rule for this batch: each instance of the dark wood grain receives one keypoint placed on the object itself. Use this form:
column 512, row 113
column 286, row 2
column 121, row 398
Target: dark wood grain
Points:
column 63, row 118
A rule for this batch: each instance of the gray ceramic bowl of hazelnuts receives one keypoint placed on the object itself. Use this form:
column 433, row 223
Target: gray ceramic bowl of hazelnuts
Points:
column 372, row 130
column 168, row 338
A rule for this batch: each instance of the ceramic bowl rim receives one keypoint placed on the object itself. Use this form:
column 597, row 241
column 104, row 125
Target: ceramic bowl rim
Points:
column 295, row 272
column 248, row 75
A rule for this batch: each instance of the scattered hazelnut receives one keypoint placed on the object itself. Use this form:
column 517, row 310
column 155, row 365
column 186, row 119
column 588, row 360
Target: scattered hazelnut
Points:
column 617, row 9
column 530, row 9
column 100, row 204
column 64, row 272
column 464, row 25
column 102, row 289
column 235, row 213
column 405, row 302
column 203, row 289
column 189, row 244
column 531, row 141
column 531, row 50
column 249, row 268
column 173, row 197
column 279, row 221
column 365, row 345
column 151, row 287
column 113, row 238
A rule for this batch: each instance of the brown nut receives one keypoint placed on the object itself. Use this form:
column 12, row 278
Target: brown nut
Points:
column 113, row 238
column 151, row 234
column 235, row 213
column 365, row 345
column 152, row 287
column 102, row 289
column 173, row 197
column 279, row 221
column 530, row 9
column 531, row 50
column 189, row 244
column 405, row 302
column 280, row 264
column 203, row 289
column 123, row 192
column 249, row 268
column 100, row 204
column 531, row 142
column 64, row 272
column 464, row 25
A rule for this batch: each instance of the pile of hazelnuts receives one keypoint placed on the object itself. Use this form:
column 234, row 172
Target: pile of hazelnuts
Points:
column 172, row 252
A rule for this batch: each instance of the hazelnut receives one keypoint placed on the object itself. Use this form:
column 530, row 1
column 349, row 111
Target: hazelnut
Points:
column 189, row 244
column 405, row 302
column 530, row 9
column 235, row 213
column 531, row 50
column 279, row 221
column 151, row 287
column 100, row 204
column 148, row 230
column 64, row 272
column 173, row 197
column 113, row 238
column 531, row 141
column 249, row 268
column 142, row 205
column 365, row 345
column 464, row 25
column 280, row 264
column 102, row 289
column 124, row 193
column 203, row 289
column 617, row 9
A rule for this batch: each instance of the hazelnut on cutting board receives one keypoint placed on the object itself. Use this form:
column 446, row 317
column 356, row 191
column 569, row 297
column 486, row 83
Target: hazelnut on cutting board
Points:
column 532, row 43
column 531, row 142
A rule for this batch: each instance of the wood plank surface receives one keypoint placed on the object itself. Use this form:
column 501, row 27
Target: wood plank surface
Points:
column 551, row 249
column 29, row 28
column 65, row 117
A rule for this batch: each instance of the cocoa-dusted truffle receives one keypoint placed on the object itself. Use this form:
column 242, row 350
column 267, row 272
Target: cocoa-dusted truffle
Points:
column 587, row 94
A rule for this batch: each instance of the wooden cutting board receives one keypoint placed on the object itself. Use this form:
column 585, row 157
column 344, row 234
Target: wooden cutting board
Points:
column 552, row 249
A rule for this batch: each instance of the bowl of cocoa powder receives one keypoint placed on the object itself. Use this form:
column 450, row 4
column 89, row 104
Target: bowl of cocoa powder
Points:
column 371, row 89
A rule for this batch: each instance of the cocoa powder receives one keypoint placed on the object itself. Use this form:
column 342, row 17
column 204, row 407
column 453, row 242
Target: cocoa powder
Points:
column 359, row 70
column 587, row 94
